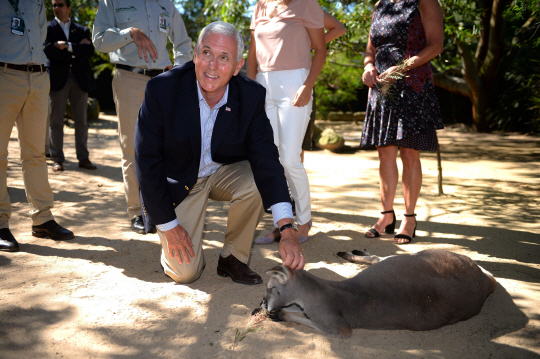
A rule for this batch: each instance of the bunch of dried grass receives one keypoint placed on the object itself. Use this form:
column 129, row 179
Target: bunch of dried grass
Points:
column 255, row 324
column 386, row 85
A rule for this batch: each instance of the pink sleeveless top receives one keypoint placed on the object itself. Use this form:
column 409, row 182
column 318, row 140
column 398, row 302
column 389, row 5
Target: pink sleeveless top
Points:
column 283, row 42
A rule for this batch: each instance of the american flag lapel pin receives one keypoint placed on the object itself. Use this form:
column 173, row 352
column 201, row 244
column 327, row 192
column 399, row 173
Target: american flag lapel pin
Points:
column 228, row 109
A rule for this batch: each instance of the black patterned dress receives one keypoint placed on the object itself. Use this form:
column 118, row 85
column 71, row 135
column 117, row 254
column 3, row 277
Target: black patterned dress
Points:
column 411, row 115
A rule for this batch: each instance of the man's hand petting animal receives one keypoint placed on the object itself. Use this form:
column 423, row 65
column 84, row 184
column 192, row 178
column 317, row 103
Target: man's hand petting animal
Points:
column 290, row 249
column 179, row 244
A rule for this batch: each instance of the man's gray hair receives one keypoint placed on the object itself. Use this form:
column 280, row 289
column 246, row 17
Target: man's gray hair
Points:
column 225, row 29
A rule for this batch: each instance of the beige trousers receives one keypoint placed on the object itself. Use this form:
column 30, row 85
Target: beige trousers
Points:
column 128, row 92
column 24, row 101
column 233, row 183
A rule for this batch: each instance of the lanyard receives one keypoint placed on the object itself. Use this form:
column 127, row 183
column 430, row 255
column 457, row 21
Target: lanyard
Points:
column 15, row 4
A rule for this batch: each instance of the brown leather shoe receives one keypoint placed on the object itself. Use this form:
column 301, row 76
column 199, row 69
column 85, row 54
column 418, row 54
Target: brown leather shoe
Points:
column 87, row 164
column 53, row 230
column 238, row 271
column 58, row 167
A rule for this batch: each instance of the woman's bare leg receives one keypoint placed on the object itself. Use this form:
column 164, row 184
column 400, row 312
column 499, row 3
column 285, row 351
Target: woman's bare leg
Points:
column 388, row 174
column 412, row 183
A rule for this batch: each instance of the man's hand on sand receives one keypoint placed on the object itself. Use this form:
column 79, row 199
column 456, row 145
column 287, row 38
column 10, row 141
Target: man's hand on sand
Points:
column 179, row 244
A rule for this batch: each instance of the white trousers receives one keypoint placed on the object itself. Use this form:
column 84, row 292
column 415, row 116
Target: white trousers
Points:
column 289, row 124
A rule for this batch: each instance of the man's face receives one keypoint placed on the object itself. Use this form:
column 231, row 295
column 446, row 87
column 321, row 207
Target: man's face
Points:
column 215, row 64
column 61, row 11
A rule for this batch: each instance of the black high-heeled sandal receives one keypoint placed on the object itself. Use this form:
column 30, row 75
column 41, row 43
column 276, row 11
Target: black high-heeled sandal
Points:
column 404, row 236
column 388, row 229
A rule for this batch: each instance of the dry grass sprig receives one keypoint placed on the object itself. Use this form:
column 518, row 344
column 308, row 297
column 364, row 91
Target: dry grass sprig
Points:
column 255, row 324
column 387, row 89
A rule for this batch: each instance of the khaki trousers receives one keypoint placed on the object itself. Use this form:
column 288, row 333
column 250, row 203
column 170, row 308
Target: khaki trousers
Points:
column 128, row 92
column 233, row 183
column 24, row 98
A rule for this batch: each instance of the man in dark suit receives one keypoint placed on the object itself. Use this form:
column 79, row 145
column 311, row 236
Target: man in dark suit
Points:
column 202, row 133
column 68, row 48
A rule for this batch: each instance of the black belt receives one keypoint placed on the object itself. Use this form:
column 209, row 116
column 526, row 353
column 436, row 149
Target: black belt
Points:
column 139, row 70
column 28, row 68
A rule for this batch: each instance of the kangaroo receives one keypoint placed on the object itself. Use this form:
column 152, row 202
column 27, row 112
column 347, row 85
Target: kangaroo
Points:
column 423, row 291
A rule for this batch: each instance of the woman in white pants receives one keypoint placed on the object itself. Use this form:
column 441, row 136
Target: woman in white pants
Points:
column 282, row 34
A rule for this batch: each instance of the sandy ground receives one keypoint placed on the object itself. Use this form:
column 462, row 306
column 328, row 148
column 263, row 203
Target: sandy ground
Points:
column 103, row 295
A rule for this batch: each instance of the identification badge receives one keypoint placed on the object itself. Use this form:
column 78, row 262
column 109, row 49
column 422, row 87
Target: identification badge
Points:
column 17, row 26
column 162, row 24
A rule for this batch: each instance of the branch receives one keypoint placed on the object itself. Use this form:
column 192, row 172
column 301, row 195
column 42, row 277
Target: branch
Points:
column 469, row 68
column 496, row 43
column 453, row 84
column 526, row 32
column 519, row 42
column 481, row 49
column 346, row 65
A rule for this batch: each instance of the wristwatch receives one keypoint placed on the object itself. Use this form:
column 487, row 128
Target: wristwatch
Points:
column 287, row 226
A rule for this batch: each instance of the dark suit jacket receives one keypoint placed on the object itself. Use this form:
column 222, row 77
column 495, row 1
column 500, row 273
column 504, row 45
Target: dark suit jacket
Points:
column 168, row 141
column 59, row 61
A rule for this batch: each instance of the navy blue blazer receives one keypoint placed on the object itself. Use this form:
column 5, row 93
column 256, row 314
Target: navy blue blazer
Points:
column 60, row 62
column 168, row 141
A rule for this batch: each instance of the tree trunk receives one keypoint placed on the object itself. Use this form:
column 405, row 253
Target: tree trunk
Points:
column 480, row 105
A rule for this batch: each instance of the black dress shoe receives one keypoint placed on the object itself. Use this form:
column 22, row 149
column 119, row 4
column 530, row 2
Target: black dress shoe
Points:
column 58, row 167
column 8, row 243
column 238, row 271
column 87, row 164
column 53, row 230
column 137, row 225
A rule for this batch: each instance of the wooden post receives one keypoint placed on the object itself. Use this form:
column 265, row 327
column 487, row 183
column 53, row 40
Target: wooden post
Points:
column 439, row 169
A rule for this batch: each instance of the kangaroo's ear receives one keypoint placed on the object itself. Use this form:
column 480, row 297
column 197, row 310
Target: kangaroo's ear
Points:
column 281, row 273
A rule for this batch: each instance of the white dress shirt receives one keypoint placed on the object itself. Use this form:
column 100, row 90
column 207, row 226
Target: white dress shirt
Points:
column 65, row 26
column 208, row 167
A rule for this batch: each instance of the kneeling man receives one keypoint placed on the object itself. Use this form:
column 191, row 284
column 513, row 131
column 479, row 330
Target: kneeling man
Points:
column 203, row 133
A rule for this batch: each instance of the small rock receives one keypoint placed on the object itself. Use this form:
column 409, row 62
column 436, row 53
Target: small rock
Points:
column 330, row 140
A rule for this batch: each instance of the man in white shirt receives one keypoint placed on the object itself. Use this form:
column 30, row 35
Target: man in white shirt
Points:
column 68, row 48
column 203, row 133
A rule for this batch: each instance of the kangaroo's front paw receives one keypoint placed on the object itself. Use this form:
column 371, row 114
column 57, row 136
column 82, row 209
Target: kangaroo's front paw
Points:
column 360, row 253
column 277, row 315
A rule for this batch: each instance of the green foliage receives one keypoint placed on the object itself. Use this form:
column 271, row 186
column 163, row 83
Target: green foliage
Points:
column 231, row 11
column 518, row 101
column 513, row 87
column 461, row 19
column 356, row 16
column 193, row 16
column 337, row 85
column 199, row 13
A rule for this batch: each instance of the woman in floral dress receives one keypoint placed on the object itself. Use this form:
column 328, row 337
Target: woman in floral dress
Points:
column 406, row 119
